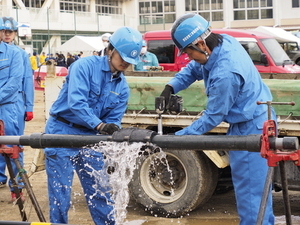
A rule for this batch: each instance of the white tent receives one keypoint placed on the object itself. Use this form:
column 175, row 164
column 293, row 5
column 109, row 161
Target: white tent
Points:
column 81, row 43
column 279, row 34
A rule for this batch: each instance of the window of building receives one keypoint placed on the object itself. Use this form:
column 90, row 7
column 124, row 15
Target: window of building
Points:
column 212, row 10
column 32, row 4
column 108, row 7
column 253, row 9
column 157, row 12
column 295, row 3
column 77, row 5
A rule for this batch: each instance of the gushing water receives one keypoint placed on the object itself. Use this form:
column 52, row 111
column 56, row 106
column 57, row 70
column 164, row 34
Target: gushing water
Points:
column 119, row 165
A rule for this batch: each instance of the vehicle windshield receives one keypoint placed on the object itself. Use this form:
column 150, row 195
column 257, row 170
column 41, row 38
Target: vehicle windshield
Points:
column 276, row 52
column 163, row 49
column 251, row 47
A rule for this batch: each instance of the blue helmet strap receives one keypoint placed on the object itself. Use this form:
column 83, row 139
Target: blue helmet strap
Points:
column 194, row 46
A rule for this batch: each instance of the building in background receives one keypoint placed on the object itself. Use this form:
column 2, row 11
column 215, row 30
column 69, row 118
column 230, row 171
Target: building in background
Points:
column 53, row 22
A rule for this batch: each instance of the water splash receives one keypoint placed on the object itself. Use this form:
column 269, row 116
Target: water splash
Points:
column 119, row 165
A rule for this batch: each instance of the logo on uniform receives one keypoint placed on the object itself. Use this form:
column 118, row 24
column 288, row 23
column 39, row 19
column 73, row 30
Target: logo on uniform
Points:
column 134, row 53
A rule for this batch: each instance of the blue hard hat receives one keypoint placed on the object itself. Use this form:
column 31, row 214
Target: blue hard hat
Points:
column 188, row 28
column 10, row 23
column 128, row 42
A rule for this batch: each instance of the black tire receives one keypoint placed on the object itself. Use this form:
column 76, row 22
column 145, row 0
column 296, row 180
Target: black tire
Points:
column 195, row 179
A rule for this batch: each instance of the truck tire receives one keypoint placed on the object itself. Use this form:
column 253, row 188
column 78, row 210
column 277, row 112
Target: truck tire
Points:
column 192, row 182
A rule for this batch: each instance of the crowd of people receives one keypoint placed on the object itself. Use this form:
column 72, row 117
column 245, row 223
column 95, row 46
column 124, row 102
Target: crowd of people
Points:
column 94, row 99
column 59, row 59
column 146, row 58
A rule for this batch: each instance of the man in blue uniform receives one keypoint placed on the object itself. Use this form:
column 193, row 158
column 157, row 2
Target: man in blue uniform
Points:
column 11, row 71
column 93, row 100
column 233, row 86
column 26, row 91
column 147, row 59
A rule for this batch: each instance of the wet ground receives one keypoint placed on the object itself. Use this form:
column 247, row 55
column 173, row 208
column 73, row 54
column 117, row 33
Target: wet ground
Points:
column 219, row 210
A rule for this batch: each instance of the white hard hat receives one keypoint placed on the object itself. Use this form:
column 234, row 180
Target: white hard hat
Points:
column 106, row 36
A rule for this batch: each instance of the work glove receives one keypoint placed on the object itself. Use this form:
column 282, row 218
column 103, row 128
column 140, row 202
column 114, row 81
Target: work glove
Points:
column 108, row 128
column 167, row 94
column 28, row 116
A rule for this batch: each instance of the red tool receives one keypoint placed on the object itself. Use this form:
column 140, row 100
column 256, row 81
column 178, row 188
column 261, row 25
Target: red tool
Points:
column 13, row 152
column 275, row 157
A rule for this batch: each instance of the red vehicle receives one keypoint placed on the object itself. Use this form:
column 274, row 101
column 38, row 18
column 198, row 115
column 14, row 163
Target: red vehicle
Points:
column 265, row 52
column 161, row 44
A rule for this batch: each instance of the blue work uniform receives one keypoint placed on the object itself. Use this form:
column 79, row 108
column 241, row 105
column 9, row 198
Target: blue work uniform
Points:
column 11, row 75
column 233, row 86
column 26, row 91
column 90, row 95
column 146, row 60
column 25, row 100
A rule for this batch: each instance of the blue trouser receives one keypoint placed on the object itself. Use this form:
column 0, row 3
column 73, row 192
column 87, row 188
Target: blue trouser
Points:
column 88, row 164
column 249, row 172
column 9, row 114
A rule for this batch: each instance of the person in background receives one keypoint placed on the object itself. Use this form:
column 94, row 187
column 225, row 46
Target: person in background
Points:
column 42, row 58
column 26, row 98
column 70, row 59
column 95, row 53
column 12, row 76
column 50, row 56
column 25, row 101
column 76, row 56
column 33, row 62
column 147, row 59
column 105, row 40
column 80, row 55
column 61, row 60
column 92, row 101
column 56, row 56
column 233, row 86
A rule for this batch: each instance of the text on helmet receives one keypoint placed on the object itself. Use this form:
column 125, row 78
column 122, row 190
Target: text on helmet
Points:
column 192, row 33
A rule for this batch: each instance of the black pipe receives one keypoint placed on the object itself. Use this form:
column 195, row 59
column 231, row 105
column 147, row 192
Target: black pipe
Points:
column 250, row 143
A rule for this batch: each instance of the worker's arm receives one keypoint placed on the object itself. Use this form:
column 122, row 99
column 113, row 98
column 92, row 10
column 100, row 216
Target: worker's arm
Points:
column 222, row 93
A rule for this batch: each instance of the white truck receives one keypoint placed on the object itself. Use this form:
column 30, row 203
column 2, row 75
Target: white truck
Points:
column 289, row 42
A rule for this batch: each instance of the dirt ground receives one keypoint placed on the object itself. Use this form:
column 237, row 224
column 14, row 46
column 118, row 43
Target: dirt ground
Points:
column 220, row 210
